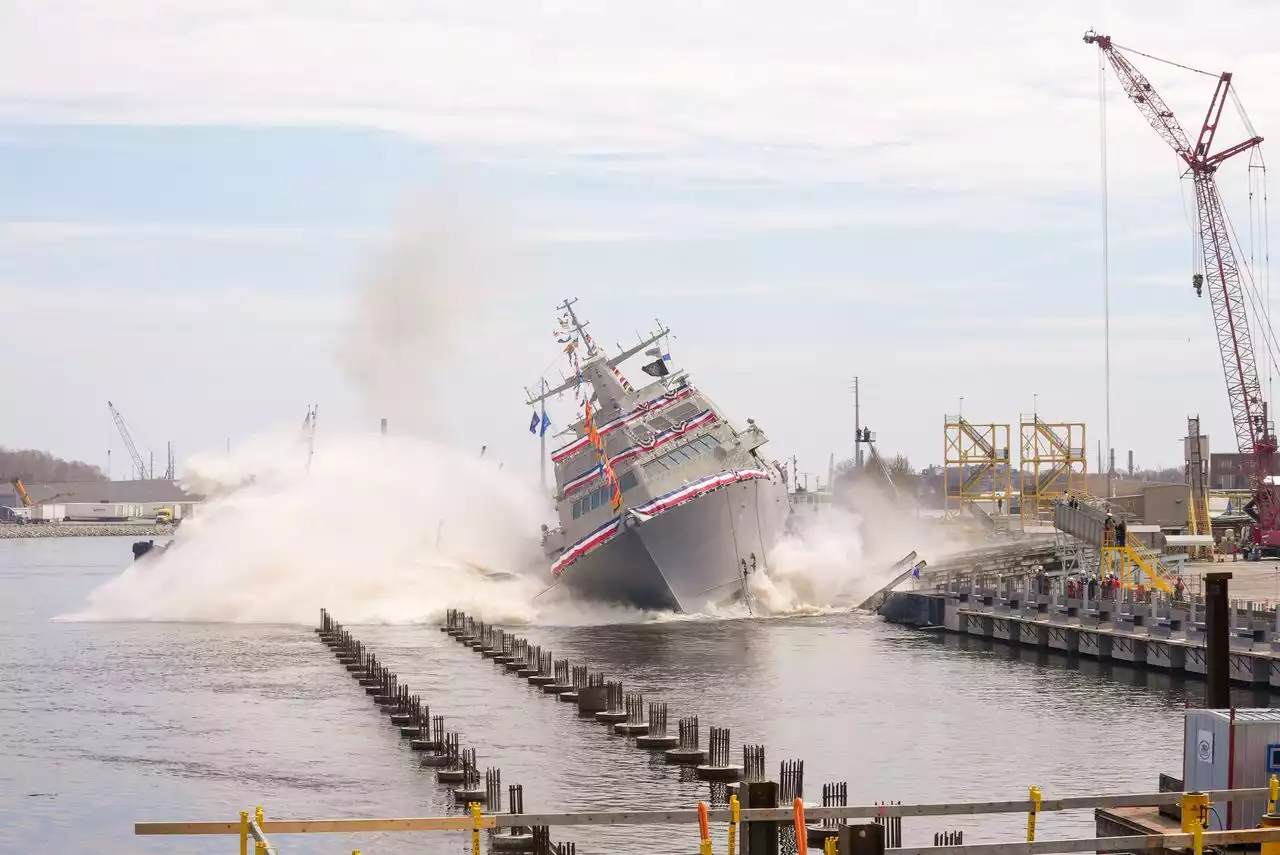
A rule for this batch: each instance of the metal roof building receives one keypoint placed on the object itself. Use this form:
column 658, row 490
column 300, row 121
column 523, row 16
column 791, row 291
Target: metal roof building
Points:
column 99, row 492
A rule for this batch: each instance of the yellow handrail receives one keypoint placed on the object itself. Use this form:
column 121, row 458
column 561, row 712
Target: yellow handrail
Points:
column 1161, row 575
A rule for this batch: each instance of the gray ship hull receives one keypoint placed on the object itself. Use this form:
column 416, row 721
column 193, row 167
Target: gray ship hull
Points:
column 689, row 556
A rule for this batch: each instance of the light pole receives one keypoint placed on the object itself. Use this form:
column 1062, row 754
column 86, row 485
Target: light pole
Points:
column 960, row 411
column 857, row 426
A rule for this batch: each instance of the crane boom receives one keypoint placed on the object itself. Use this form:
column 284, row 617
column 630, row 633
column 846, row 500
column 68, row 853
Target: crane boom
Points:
column 1255, row 436
column 139, row 467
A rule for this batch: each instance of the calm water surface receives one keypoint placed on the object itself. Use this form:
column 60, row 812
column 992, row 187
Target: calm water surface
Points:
column 102, row 725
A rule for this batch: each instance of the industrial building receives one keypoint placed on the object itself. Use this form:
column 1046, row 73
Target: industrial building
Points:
column 104, row 500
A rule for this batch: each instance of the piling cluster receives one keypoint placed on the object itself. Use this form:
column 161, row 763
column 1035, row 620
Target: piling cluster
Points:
column 455, row 766
column 595, row 697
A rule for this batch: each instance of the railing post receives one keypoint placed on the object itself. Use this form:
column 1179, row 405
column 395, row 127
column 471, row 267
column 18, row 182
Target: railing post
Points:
column 802, row 833
column 259, row 848
column 865, row 839
column 475, row 828
column 1270, row 821
column 760, row 838
column 734, row 810
column 1195, row 811
column 704, row 830
column 244, row 832
column 1031, row 814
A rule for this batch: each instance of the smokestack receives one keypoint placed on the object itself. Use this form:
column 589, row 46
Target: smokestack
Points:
column 1131, row 463
column 1111, row 466
column 384, row 427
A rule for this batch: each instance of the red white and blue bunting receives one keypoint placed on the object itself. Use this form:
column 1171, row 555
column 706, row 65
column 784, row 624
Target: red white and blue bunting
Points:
column 703, row 418
column 641, row 410
column 652, row 508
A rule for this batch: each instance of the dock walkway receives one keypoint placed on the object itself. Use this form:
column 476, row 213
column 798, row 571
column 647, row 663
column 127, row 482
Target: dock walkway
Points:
column 1166, row 637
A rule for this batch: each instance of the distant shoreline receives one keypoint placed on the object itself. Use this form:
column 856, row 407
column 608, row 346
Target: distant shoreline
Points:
column 127, row 529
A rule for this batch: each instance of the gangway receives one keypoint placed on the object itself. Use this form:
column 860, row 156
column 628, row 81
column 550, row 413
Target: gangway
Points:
column 978, row 513
column 1087, row 522
column 912, row 567
column 884, row 467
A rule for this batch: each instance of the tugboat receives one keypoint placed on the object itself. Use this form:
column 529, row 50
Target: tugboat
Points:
column 663, row 503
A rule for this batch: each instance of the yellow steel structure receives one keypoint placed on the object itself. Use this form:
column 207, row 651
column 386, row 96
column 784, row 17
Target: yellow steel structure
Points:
column 1126, row 561
column 1196, row 454
column 977, row 468
column 1052, row 463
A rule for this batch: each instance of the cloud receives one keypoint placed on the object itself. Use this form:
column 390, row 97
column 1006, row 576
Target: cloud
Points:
column 941, row 96
column 26, row 232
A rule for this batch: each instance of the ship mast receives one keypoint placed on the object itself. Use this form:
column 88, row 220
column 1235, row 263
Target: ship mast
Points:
column 567, row 306
column 568, row 383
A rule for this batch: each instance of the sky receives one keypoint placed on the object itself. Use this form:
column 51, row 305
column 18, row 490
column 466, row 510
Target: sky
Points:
column 202, row 204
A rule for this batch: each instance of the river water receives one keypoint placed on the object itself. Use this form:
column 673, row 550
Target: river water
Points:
column 105, row 724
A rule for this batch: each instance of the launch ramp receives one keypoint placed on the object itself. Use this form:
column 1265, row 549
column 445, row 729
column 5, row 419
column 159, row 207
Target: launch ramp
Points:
column 904, row 568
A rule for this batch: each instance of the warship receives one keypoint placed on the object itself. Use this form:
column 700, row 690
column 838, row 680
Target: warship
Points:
column 663, row 503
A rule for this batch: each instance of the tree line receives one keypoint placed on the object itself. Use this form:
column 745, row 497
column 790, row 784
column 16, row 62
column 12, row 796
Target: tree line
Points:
column 41, row 466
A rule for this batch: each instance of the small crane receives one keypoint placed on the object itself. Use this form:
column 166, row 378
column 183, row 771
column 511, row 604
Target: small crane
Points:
column 139, row 468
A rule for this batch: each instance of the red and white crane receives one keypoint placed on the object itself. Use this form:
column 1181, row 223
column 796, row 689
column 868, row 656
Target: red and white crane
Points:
column 1255, row 435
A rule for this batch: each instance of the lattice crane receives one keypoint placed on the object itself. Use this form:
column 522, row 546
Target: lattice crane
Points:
column 1255, row 435
column 139, row 468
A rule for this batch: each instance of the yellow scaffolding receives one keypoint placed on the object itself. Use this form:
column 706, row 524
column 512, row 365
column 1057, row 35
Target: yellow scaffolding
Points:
column 977, row 469
column 1196, row 447
column 1052, row 462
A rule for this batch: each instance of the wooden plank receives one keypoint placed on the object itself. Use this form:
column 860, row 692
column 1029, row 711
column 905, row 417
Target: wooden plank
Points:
column 1092, row 844
column 675, row 817
column 148, row 828
column 317, row 826
column 343, row 826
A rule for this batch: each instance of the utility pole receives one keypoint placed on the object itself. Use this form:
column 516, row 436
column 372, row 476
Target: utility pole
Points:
column 857, row 427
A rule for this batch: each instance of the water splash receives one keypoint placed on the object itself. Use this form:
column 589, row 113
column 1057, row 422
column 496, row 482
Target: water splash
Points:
column 379, row 531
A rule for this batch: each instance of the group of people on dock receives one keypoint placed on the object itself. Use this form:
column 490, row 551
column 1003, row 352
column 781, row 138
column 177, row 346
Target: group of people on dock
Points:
column 1114, row 533
column 1110, row 586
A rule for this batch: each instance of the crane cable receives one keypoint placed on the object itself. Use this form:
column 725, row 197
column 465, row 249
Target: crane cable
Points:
column 1106, row 252
column 1165, row 61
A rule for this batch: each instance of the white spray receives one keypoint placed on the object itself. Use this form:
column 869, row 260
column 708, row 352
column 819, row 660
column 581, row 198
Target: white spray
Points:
column 398, row 529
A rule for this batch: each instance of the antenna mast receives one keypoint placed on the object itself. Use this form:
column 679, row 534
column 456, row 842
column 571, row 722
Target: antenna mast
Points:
column 567, row 306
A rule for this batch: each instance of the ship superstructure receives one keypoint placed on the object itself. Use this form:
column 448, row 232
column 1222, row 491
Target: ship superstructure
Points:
column 663, row 503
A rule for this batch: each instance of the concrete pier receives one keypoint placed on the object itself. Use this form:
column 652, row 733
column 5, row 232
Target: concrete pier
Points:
column 718, row 767
column 1169, row 637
